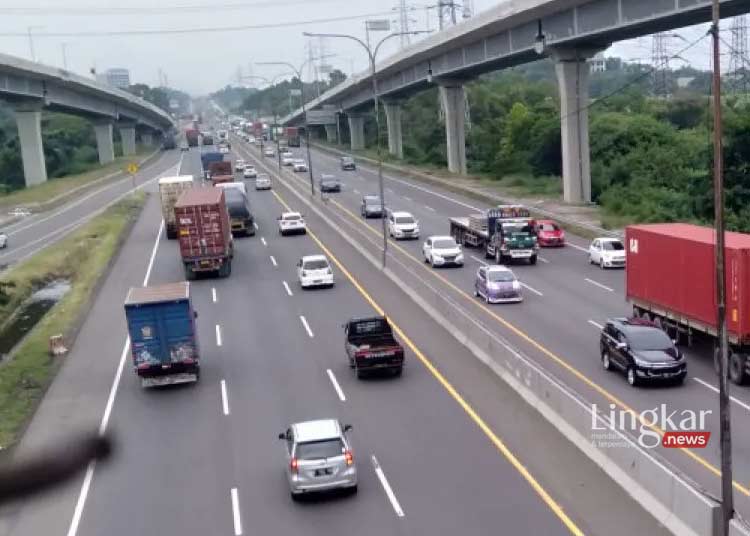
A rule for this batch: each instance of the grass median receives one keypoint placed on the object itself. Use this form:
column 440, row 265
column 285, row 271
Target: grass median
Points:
column 45, row 192
column 82, row 259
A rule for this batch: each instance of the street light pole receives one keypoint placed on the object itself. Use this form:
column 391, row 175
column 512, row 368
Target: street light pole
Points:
column 725, row 436
column 372, row 56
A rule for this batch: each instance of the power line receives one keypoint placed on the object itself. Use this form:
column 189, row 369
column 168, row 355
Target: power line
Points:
column 107, row 33
column 82, row 11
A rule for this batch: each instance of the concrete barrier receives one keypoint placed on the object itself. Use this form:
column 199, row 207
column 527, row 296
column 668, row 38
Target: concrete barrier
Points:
column 660, row 490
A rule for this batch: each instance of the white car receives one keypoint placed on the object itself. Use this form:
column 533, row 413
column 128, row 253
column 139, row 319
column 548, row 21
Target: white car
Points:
column 292, row 222
column 251, row 139
column 250, row 172
column 3, row 240
column 287, row 159
column 402, row 225
column 263, row 182
column 20, row 212
column 314, row 271
column 442, row 251
column 607, row 253
column 268, row 151
column 299, row 165
column 239, row 165
column 236, row 185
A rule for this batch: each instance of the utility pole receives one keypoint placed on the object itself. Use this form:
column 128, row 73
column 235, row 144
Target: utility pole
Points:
column 725, row 435
column 739, row 77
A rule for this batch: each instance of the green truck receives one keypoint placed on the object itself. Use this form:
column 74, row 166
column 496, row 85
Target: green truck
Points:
column 506, row 233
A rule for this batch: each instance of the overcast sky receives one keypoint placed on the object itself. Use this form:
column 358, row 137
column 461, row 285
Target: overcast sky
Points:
column 201, row 62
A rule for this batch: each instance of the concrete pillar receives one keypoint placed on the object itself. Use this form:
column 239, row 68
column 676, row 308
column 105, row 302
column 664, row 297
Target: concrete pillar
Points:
column 572, row 72
column 395, row 135
column 453, row 101
column 105, row 145
column 127, row 134
column 357, row 131
column 331, row 134
column 147, row 139
column 29, row 123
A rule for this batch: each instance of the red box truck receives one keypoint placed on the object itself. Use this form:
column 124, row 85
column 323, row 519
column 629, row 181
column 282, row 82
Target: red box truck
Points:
column 204, row 232
column 670, row 279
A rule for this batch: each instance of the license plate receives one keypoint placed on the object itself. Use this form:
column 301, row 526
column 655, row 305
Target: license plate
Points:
column 205, row 263
column 520, row 253
column 318, row 281
column 323, row 472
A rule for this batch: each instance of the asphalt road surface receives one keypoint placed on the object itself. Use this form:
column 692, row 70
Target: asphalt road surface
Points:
column 445, row 449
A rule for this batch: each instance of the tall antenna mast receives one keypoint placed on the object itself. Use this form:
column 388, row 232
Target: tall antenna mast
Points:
column 739, row 77
column 660, row 64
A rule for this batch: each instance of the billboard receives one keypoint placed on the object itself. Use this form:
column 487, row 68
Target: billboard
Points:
column 321, row 117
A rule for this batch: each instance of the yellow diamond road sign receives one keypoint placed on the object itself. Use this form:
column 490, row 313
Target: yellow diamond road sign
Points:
column 132, row 168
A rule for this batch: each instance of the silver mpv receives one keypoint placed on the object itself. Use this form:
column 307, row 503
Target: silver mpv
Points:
column 319, row 457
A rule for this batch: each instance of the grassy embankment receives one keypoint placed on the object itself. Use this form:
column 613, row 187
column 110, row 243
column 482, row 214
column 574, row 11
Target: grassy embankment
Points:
column 25, row 376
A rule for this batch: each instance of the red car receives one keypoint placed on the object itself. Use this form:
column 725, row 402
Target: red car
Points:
column 548, row 233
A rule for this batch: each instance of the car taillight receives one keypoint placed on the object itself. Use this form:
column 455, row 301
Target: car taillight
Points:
column 293, row 465
column 361, row 353
column 349, row 457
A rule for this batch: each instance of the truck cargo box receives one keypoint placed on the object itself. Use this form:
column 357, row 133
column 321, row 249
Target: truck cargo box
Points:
column 170, row 190
column 221, row 172
column 204, row 231
column 163, row 335
column 670, row 268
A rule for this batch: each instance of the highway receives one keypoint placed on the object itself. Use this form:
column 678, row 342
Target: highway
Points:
column 445, row 449
column 32, row 234
column 566, row 302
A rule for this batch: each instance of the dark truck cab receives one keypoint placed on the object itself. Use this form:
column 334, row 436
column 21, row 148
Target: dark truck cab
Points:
column 371, row 347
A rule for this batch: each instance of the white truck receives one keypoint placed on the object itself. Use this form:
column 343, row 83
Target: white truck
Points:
column 170, row 190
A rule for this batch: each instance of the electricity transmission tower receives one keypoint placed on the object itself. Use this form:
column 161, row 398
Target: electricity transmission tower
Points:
column 403, row 22
column 739, row 59
column 661, row 83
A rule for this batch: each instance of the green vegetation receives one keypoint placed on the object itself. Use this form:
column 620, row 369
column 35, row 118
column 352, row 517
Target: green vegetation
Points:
column 651, row 158
column 27, row 374
column 47, row 191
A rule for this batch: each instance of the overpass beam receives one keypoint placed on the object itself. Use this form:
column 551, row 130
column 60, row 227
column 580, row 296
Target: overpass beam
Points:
column 29, row 123
column 105, row 144
column 453, row 101
column 357, row 131
column 331, row 134
column 395, row 134
column 572, row 72
column 127, row 135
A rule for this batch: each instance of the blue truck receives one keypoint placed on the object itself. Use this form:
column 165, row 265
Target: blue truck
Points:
column 163, row 335
column 207, row 158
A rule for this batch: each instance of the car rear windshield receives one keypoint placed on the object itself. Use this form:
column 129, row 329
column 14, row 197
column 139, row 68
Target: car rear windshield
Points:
column 649, row 339
column 548, row 227
column 613, row 246
column 319, row 264
column 372, row 200
column 292, row 217
column 500, row 276
column 404, row 219
column 444, row 244
column 315, row 450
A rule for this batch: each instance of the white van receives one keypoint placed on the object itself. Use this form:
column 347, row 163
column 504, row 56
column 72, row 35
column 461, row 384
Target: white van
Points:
column 237, row 185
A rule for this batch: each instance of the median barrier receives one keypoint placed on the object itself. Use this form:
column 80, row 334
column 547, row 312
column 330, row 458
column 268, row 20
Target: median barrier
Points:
column 660, row 489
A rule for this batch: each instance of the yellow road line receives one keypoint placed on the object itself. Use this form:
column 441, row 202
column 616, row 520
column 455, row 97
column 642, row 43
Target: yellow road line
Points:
column 549, row 353
column 504, row 450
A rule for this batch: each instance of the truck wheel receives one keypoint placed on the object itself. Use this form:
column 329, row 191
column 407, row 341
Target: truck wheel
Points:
column 189, row 273
column 737, row 363
column 171, row 235
column 532, row 260
column 359, row 374
column 229, row 268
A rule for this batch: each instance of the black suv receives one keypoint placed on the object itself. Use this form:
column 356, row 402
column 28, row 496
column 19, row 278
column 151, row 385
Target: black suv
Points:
column 371, row 207
column 641, row 350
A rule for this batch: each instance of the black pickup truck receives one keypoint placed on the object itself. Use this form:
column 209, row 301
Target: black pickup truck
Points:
column 371, row 347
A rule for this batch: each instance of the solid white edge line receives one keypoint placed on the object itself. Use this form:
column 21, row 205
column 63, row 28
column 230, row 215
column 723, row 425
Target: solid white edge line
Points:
column 306, row 326
column 430, row 208
column 224, row 398
column 218, row 335
column 387, row 487
column 597, row 325
column 273, row 260
column 213, row 295
column 336, row 385
column 236, row 513
column 532, row 289
column 263, row 241
column 409, row 199
column 595, row 283
column 716, row 390
column 286, row 287
column 83, row 494
column 545, row 261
